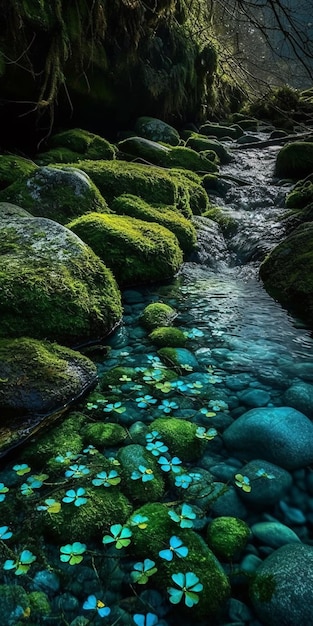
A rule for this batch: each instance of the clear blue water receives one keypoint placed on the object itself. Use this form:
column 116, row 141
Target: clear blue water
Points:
column 242, row 341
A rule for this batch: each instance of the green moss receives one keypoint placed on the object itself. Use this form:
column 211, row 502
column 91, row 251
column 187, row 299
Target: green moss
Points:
column 219, row 131
column 65, row 437
column 104, row 506
column 263, row 587
column 164, row 336
column 227, row 537
column 39, row 604
column 180, row 437
column 157, row 314
column 130, row 458
column 12, row 596
column 103, row 434
column 51, row 285
column 187, row 158
column 197, row 197
column 287, row 272
column 13, row 168
column 156, row 130
column 136, row 251
column 295, row 160
column 82, row 141
column 202, row 143
column 114, row 178
column 227, row 223
column 112, row 377
column 58, row 155
column 165, row 216
column 300, row 196
column 147, row 542
column 57, row 193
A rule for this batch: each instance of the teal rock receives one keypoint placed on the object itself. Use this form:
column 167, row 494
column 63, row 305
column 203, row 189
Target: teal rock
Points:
column 250, row 563
column 131, row 458
column 46, row 581
column 178, row 357
column 269, row 483
column 274, row 534
column 300, row 396
column 280, row 435
column 255, row 397
column 281, row 592
column 13, row 602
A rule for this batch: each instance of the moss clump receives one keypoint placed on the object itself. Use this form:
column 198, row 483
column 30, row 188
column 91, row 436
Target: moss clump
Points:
column 165, row 336
column 295, row 160
column 103, row 434
column 58, row 155
column 114, row 178
column 112, row 377
column 56, row 193
column 39, row 604
column 300, row 196
column 136, row 251
column 104, row 506
column 156, row 130
column 131, row 458
column 165, row 216
column 227, row 537
column 12, row 596
column 219, row 131
column 148, row 541
column 13, row 168
column 65, row 437
column 88, row 144
column 202, row 143
column 157, row 314
column 227, row 223
column 197, row 197
column 287, row 272
column 52, row 285
column 186, row 158
column 263, row 587
column 180, row 437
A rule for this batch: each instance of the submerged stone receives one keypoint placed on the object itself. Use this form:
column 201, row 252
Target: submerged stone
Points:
column 281, row 435
column 37, row 379
column 300, row 396
column 157, row 314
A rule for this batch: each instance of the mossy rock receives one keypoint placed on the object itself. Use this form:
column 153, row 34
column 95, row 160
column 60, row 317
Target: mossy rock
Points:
column 165, row 156
column 57, row 155
column 165, row 336
column 165, row 216
column 287, row 272
column 197, row 197
column 112, row 377
column 12, row 596
column 228, row 224
column 186, row 158
column 219, row 131
column 114, row 178
column 227, row 537
column 52, row 285
column 180, row 437
column 201, row 143
column 136, row 251
column 39, row 604
column 178, row 358
column 8, row 210
column 13, row 168
column 146, row 149
column 104, row 507
column 56, row 193
column 156, row 130
column 295, row 160
column 64, row 437
column 85, row 143
column 130, row 458
column 148, row 541
column 157, row 314
column 300, row 196
column 103, row 434
column 38, row 379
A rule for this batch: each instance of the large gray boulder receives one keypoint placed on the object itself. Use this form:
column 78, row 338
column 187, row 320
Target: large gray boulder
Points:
column 280, row 435
column 282, row 590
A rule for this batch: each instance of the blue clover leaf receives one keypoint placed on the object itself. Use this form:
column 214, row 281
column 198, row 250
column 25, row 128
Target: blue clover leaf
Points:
column 176, row 547
column 188, row 588
column 93, row 604
column 142, row 571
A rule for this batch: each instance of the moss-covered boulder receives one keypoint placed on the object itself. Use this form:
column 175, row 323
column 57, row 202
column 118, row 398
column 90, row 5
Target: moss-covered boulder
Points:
column 220, row 132
column 39, row 605
column 165, row 336
column 180, row 437
column 136, row 251
column 13, row 168
column 142, row 478
column 287, row 272
column 156, row 186
column 156, row 130
column 103, row 434
column 8, row 210
column 83, row 142
column 58, row 155
column 56, row 193
column 114, row 376
column 202, row 144
column 165, row 216
column 154, row 536
column 180, row 156
column 39, row 378
column 52, row 285
column 198, row 200
column 157, row 314
column 301, row 195
column 227, row 537
column 295, row 160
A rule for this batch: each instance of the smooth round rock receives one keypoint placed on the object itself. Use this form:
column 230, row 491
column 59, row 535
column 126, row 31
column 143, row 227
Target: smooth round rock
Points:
column 300, row 396
column 280, row 435
column 269, row 483
column 274, row 534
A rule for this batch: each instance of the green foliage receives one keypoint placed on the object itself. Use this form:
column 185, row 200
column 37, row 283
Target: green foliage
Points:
column 103, row 434
column 263, row 587
column 157, row 314
column 64, row 437
column 180, row 437
column 165, row 216
column 278, row 106
column 136, row 251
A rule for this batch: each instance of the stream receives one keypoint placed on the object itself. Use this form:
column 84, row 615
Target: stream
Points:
column 244, row 352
